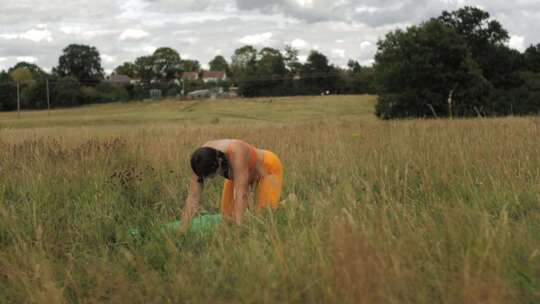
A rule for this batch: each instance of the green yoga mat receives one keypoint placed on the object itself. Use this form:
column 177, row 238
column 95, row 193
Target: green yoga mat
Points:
column 199, row 224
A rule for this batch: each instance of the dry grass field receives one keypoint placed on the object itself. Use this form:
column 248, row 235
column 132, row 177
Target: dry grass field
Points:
column 415, row 211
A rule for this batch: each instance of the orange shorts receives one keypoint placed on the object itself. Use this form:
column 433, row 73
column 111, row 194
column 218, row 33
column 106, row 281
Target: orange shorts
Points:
column 268, row 187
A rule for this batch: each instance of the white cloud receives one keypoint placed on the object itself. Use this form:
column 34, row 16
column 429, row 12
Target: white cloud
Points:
column 35, row 35
column 368, row 62
column 365, row 44
column 340, row 41
column 189, row 40
column 29, row 59
column 305, row 3
column 149, row 49
column 133, row 34
column 2, row 59
column 108, row 58
column 257, row 39
column 38, row 35
column 9, row 36
column 517, row 42
column 366, row 9
column 299, row 44
column 339, row 53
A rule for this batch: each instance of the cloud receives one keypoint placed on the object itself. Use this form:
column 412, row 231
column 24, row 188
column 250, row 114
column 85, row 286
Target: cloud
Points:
column 299, row 44
column 35, row 35
column 123, row 30
column 38, row 35
column 28, row 59
column 108, row 58
column 339, row 53
column 133, row 34
column 517, row 42
column 257, row 39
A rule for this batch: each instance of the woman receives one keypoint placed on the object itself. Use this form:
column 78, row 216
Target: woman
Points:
column 243, row 166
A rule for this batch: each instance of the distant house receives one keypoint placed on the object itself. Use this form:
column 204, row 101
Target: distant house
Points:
column 191, row 76
column 214, row 76
column 118, row 80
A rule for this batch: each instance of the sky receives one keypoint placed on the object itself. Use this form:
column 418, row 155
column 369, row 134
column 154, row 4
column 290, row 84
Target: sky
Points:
column 37, row 31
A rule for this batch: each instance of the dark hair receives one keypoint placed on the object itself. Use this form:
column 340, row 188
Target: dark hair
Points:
column 205, row 162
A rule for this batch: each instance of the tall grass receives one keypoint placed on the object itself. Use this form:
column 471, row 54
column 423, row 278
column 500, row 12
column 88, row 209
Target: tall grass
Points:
column 374, row 212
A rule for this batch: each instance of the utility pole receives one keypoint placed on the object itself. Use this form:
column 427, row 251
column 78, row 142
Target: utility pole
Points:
column 451, row 104
column 48, row 99
column 18, row 100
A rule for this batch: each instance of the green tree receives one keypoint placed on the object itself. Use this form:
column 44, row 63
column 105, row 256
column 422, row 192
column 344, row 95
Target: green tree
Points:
column 167, row 63
column 144, row 68
column 82, row 62
column 532, row 58
column 219, row 63
column 191, row 65
column 34, row 69
column 318, row 75
column 419, row 69
column 128, row 69
column 8, row 92
column 271, row 73
column 32, row 80
column 244, row 70
column 484, row 37
column 67, row 91
column 354, row 67
column 244, row 60
column 22, row 75
column 291, row 60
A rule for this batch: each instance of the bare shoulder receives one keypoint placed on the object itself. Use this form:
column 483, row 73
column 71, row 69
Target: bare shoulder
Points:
column 219, row 144
column 225, row 145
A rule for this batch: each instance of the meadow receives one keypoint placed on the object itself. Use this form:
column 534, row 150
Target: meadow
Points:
column 412, row 211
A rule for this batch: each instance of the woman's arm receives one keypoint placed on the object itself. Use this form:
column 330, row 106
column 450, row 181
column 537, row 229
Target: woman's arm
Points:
column 239, row 163
column 192, row 202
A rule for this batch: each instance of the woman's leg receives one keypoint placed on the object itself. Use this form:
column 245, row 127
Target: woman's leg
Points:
column 269, row 191
column 269, row 187
column 227, row 199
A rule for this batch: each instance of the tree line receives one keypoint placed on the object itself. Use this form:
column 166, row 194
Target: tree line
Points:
column 78, row 78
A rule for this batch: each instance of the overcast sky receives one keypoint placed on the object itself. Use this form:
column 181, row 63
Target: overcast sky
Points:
column 37, row 31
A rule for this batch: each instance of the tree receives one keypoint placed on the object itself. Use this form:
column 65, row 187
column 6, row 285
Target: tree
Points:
column 318, row 76
column 35, row 70
column 475, row 26
column 144, row 68
column 8, row 92
column 219, row 64
column 244, row 70
column 419, row 70
column 532, row 58
column 244, row 60
column 167, row 63
column 82, row 62
column 191, row 65
column 482, row 35
column 354, row 66
column 67, row 91
column 128, row 69
column 271, row 72
column 22, row 75
column 32, row 82
column 291, row 60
